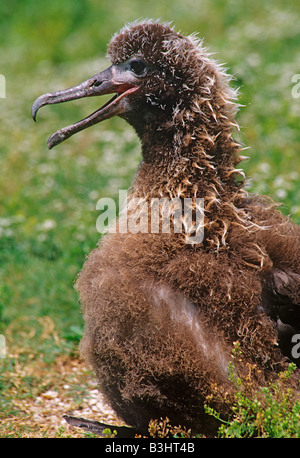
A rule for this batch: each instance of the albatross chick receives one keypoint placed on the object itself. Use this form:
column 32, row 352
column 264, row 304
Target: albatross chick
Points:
column 162, row 313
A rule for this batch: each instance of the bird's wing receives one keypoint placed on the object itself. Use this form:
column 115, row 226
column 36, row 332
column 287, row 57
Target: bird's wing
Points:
column 281, row 301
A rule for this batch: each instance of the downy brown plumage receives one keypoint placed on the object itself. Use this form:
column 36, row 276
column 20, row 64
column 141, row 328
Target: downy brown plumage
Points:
column 162, row 315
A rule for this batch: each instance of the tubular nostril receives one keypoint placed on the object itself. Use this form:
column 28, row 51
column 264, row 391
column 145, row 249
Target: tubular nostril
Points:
column 96, row 83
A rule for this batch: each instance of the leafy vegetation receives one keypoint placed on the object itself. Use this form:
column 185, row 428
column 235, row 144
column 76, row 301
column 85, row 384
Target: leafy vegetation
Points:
column 48, row 198
column 271, row 411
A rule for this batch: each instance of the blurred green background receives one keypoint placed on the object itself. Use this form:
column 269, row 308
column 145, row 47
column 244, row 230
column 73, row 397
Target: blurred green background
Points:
column 48, row 198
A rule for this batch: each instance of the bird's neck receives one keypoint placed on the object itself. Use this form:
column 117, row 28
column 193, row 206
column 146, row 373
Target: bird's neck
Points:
column 193, row 168
column 177, row 163
column 190, row 153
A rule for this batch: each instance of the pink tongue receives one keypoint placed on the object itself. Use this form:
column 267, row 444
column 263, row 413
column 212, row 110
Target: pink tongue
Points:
column 128, row 88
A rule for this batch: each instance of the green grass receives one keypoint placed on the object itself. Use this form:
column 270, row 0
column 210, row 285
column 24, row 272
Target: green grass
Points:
column 48, row 199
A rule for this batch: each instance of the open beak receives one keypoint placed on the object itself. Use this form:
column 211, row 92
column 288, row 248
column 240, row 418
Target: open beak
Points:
column 106, row 82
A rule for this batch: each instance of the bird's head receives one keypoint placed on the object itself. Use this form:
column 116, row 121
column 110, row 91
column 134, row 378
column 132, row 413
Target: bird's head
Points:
column 162, row 81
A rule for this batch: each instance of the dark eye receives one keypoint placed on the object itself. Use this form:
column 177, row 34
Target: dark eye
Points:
column 138, row 67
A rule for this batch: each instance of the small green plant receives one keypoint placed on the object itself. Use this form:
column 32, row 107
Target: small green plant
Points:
column 271, row 411
column 162, row 429
column 108, row 433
